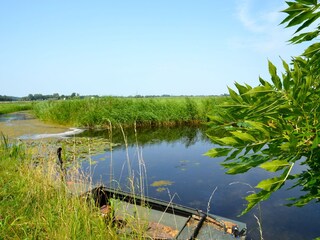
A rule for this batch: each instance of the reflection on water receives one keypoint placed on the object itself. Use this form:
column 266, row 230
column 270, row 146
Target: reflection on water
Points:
column 8, row 118
column 175, row 155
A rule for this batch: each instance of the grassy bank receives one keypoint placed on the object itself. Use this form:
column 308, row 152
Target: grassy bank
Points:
column 100, row 112
column 8, row 107
column 35, row 203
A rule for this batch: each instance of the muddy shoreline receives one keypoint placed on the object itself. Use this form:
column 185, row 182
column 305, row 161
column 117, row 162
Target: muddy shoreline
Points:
column 23, row 125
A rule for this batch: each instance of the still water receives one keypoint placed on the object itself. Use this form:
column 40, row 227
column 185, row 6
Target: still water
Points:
column 176, row 155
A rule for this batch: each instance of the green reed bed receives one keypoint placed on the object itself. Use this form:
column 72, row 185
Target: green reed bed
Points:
column 35, row 203
column 8, row 107
column 101, row 112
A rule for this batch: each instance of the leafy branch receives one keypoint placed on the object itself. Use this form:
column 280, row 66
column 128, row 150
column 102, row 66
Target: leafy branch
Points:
column 275, row 124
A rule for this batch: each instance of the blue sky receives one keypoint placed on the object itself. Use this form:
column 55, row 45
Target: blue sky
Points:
column 146, row 47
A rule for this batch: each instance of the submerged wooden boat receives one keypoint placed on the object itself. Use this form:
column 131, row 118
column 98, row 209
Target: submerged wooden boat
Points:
column 164, row 220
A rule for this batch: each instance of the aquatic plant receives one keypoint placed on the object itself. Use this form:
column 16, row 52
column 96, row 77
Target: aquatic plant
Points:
column 6, row 107
column 98, row 113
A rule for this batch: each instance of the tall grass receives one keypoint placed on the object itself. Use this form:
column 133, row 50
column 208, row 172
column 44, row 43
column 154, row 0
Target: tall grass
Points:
column 38, row 200
column 36, row 204
column 99, row 112
column 8, row 107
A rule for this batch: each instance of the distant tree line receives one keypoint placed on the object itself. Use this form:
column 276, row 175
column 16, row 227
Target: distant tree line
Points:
column 4, row 98
column 39, row 97
column 57, row 96
column 168, row 95
column 54, row 96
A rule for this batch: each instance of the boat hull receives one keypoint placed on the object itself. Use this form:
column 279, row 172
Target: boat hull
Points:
column 164, row 220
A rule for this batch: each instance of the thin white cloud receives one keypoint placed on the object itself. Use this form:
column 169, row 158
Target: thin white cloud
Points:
column 261, row 23
column 243, row 13
column 257, row 17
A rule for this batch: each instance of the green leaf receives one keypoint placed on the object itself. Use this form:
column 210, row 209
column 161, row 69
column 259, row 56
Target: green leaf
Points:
column 315, row 143
column 268, row 186
column 243, row 136
column 264, row 82
column 218, row 152
column 285, row 65
column 237, row 168
column 299, row 38
column 299, row 19
column 293, row 7
column 308, row 23
column 242, row 91
column 233, row 155
column 286, row 82
column 274, row 77
column 214, row 139
column 254, row 199
column 312, row 49
column 228, row 141
column 261, row 89
column 234, row 96
column 216, row 118
column 274, row 165
column 275, row 183
column 309, row 2
column 257, row 147
column 289, row 17
column 244, row 164
column 301, row 201
column 259, row 126
column 270, row 183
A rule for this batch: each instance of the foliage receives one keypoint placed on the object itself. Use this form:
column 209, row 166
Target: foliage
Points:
column 34, row 204
column 95, row 113
column 54, row 96
column 14, row 107
column 4, row 98
column 304, row 13
column 276, row 124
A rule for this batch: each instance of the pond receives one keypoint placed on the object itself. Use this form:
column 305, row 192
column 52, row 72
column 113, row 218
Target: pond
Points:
column 168, row 163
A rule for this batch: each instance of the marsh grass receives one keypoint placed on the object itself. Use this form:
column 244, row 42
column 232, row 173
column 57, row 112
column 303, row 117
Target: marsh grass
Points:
column 39, row 201
column 36, row 204
column 8, row 107
column 136, row 178
column 100, row 112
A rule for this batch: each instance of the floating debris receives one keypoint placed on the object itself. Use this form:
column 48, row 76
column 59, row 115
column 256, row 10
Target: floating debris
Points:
column 161, row 189
column 161, row 183
column 72, row 131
